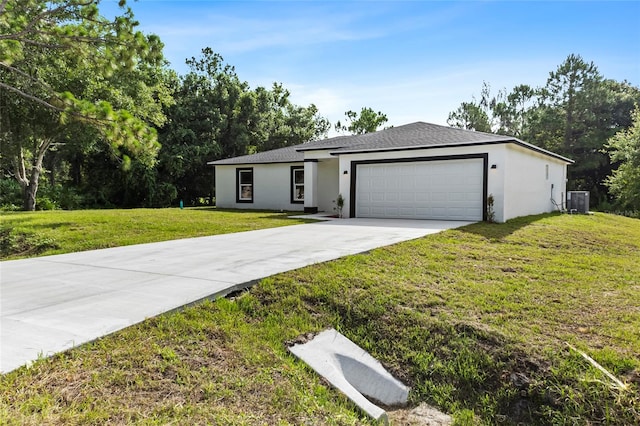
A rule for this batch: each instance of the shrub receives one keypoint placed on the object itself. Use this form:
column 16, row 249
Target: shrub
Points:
column 10, row 194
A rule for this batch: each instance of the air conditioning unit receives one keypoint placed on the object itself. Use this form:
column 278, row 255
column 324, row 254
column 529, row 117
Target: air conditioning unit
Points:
column 578, row 201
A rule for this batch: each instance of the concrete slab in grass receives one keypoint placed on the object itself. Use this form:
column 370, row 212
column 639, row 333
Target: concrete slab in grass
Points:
column 353, row 371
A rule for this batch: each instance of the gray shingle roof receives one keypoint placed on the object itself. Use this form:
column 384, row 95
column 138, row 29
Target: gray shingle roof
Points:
column 288, row 154
column 417, row 134
column 409, row 136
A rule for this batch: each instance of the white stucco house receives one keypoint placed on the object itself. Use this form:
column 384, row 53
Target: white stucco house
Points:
column 415, row 171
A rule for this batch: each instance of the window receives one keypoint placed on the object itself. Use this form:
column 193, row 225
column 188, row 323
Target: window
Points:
column 297, row 185
column 244, row 184
column 546, row 171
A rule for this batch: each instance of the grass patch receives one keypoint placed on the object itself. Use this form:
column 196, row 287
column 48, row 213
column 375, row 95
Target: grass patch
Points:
column 475, row 320
column 27, row 234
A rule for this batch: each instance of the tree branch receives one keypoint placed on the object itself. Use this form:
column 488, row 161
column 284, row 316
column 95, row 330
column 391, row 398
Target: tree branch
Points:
column 75, row 114
column 60, row 10
column 43, row 146
column 31, row 97
column 21, row 173
column 27, row 76
column 39, row 17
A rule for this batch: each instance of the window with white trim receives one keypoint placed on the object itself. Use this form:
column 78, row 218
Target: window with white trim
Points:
column 244, row 179
column 297, row 184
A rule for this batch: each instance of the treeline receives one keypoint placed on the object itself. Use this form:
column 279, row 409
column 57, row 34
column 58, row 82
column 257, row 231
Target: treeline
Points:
column 92, row 117
column 577, row 114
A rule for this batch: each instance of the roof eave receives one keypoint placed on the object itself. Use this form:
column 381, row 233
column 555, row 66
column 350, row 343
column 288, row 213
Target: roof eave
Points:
column 454, row 145
column 328, row 148
column 542, row 150
column 244, row 163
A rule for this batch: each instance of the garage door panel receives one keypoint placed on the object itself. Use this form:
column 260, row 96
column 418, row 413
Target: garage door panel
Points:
column 376, row 197
column 457, row 180
column 439, row 212
column 448, row 189
column 438, row 196
column 391, row 197
column 422, row 197
column 374, row 181
column 439, row 180
column 470, row 180
column 407, row 197
column 419, row 181
column 456, row 196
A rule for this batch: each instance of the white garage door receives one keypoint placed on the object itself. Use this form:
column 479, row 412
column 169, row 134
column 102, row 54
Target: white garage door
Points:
column 445, row 190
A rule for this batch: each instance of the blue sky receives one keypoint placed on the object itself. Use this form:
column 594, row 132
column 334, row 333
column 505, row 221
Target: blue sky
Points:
column 412, row 60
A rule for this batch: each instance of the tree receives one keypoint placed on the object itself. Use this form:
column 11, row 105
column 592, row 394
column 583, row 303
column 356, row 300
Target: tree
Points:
column 475, row 115
column 190, row 138
column 105, row 176
column 67, row 27
column 470, row 116
column 366, row 122
column 39, row 37
column 217, row 115
column 579, row 111
column 574, row 114
column 571, row 88
column 511, row 111
column 624, row 149
column 281, row 123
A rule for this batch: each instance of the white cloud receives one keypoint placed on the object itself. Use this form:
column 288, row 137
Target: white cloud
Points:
column 410, row 97
column 233, row 34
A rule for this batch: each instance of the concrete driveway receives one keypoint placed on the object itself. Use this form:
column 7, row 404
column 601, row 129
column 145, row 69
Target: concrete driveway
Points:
column 53, row 303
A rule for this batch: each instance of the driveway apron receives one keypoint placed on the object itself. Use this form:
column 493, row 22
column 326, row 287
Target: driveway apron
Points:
column 53, row 303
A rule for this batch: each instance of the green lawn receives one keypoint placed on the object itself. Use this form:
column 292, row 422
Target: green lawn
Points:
column 27, row 234
column 476, row 320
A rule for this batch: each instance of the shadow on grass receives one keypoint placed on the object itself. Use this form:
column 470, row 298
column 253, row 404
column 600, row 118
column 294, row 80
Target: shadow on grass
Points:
column 499, row 231
column 268, row 214
column 13, row 220
column 28, row 223
column 225, row 210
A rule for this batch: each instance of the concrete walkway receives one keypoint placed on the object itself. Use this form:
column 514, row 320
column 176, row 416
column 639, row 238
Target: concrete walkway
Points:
column 53, row 303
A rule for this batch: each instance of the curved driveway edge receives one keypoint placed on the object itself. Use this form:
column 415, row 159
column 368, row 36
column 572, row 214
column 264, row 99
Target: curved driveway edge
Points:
column 53, row 303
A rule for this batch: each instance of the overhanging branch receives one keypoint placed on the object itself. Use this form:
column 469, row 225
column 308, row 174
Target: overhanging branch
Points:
column 31, row 97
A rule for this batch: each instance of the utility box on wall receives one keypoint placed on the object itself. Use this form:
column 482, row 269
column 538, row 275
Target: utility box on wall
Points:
column 578, row 201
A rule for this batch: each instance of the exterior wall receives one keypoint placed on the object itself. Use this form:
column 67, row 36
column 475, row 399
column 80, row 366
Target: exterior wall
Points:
column 271, row 187
column 495, row 178
column 311, row 186
column 327, row 184
column 518, row 183
column 528, row 187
